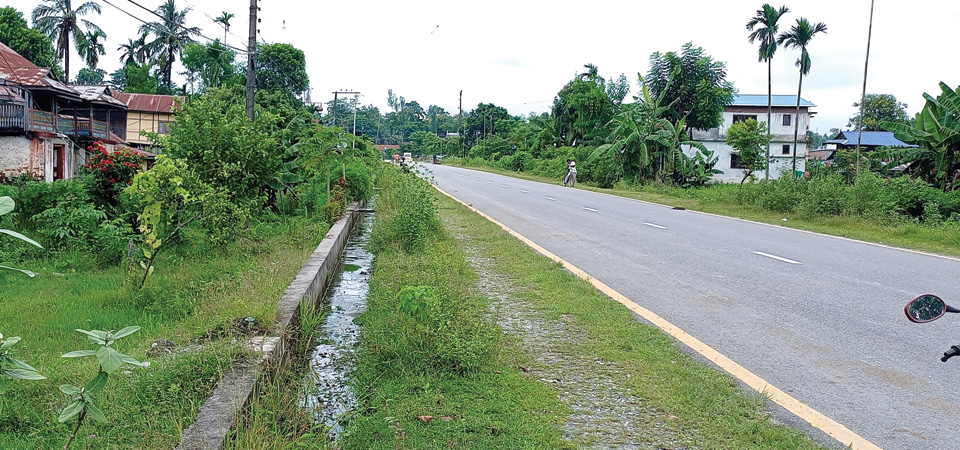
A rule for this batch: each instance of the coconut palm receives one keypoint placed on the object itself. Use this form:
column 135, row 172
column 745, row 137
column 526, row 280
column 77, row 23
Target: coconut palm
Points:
column 799, row 37
column 766, row 31
column 60, row 21
column 171, row 36
column 91, row 48
column 224, row 20
column 133, row 52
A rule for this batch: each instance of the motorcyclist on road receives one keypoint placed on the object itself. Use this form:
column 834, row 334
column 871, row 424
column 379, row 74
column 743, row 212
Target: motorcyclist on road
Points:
column 571, row 176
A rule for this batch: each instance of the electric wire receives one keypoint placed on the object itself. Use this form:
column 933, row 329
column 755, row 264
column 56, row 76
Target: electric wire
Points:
column 184, row 27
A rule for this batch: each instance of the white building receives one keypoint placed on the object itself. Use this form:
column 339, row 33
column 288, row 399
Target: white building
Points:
column 781, row 147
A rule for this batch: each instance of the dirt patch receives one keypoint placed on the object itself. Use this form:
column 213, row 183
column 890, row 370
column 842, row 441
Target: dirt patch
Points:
column 604, row 414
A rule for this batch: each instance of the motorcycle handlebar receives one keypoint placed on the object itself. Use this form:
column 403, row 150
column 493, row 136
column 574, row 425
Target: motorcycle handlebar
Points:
column 954, row 351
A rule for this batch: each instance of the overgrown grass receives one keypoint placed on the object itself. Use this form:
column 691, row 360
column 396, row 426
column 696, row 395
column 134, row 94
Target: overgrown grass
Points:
column 197, row 300
column 932, row 231
column 485, row 403
column 700, row 403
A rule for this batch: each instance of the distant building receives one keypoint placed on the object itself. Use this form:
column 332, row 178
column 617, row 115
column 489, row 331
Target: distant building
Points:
column 784, row 117
column 46, row 125
column 147, row 113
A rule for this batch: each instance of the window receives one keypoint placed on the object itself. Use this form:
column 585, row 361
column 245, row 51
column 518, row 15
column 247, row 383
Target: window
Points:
column 743, row 117
column 163, row 128
column 786, row 120
column 735, row 162
column 786, row 149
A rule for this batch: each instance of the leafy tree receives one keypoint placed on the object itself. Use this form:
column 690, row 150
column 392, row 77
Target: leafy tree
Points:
column 212, row 63
column 282, row 66
column 224, row 20
column 482, row 121
column 171, row 36
column 60, row 22
column 936, row 132
column 799, row 37
column 29, row 43
column 582, row 108
column 765, row 22
column 135, row 79
column 617, row 90
column 228, row 151
column 749, row 138
column 90, row 76
column 492, row 148
column 692, row 85
column 878, row 108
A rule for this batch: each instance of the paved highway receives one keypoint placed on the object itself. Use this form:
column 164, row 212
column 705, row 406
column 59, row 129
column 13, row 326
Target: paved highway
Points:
column 819, row 317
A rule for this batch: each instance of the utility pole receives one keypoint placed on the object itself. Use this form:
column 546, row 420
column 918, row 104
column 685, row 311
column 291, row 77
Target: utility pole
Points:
column 335, row 93
column 460, row 124
column 252, row 59
column 863, row 95
column 356, row 100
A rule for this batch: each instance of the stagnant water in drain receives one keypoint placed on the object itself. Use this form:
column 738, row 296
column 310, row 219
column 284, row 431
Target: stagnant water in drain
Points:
column 327, row 394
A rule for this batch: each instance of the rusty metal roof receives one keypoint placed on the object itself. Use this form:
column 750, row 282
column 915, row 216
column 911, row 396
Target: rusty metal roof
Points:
column 16, row 69
column 98, row 94
column 148, row 102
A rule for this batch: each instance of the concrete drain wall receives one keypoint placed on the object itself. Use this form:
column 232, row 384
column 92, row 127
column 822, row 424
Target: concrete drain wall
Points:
column 233, row 393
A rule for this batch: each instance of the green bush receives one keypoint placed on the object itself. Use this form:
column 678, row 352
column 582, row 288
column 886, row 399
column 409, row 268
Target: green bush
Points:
column 907, row 197
column 359, row 181
column 432, row 333
column 70, row 224
column 406, row 212
column 825, row 196
column 782, row 195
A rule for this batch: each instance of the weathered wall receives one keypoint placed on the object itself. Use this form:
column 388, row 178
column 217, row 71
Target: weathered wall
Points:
column 20, row 155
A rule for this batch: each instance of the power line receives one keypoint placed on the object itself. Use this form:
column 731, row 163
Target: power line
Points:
column 147, row 23
column 184, row 27
column 212, row 19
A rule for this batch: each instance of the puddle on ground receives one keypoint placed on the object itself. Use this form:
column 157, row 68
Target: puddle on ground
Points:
column 327, row 394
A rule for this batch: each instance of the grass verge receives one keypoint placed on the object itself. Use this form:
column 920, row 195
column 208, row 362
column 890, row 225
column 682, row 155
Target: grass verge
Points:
column 194, row 304
column 942, row 239
column 701, row 404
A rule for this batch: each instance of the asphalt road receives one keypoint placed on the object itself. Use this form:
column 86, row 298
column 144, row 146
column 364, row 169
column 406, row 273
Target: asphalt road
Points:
column 816, row 316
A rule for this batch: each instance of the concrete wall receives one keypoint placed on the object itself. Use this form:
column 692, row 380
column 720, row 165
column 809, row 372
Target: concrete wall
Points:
column 19, row 155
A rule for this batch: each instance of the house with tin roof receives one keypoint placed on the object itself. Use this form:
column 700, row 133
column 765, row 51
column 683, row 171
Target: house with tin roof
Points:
column 782, row 120
column 46, row 125
column 147, row 113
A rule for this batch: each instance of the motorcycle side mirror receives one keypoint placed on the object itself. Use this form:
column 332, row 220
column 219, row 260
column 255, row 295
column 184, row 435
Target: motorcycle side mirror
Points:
column 925, row 308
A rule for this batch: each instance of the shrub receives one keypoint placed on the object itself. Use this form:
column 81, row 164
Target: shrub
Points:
column 406, row 211
column 907, row 197
column 359, row 182
column 825, row 196
column 433, row 333
column 70, row 224
column 782, row 195
column 109, row 173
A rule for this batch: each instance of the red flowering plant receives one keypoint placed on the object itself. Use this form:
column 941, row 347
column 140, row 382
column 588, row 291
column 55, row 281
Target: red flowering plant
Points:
column 110, row 172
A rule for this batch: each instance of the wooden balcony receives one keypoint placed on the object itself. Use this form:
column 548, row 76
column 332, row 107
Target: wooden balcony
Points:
column 17, row 118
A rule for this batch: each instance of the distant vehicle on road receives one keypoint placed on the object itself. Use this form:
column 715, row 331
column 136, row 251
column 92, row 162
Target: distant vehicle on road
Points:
column 407, row 158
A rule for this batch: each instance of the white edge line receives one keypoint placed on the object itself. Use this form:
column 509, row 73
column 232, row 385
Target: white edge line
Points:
column 551, row 198
column 778, row 258
column 591, row 209
column 655, row 225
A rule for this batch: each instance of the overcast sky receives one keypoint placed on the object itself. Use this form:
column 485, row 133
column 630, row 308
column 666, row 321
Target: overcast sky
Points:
column 519, row 53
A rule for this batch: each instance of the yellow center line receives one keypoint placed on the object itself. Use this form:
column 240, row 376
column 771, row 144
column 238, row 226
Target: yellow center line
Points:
column 788, row 402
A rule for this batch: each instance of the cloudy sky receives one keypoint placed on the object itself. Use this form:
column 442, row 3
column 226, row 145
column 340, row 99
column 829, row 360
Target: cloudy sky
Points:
column 519, row 53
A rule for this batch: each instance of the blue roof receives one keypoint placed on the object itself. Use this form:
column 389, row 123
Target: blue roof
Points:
column 870, row 138
column 761, row 100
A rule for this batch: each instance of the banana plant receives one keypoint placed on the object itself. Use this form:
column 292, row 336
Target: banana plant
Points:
column 936, row 135
column 6, row 206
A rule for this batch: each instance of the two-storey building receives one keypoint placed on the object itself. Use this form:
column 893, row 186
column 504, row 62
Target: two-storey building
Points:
column 783, row 119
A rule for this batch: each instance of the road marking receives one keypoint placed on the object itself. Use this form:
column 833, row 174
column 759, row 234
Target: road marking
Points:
column 788, row 402
column 655, row 225
column 523, row 190
column 551, row 199
column 777, row 258
column 490, row 182
column 591, row 209
column 504, row 185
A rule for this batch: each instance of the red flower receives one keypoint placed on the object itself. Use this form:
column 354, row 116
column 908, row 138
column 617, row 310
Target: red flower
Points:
column 104, row 169
column 89, row 147
column 113, row 181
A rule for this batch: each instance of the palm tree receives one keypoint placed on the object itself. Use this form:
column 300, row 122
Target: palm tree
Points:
column 91, row 48
column 171, row 37
column 133, row 52
column 767, row 19
column 59, row 21
column 224, row 20
column 799, row 37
